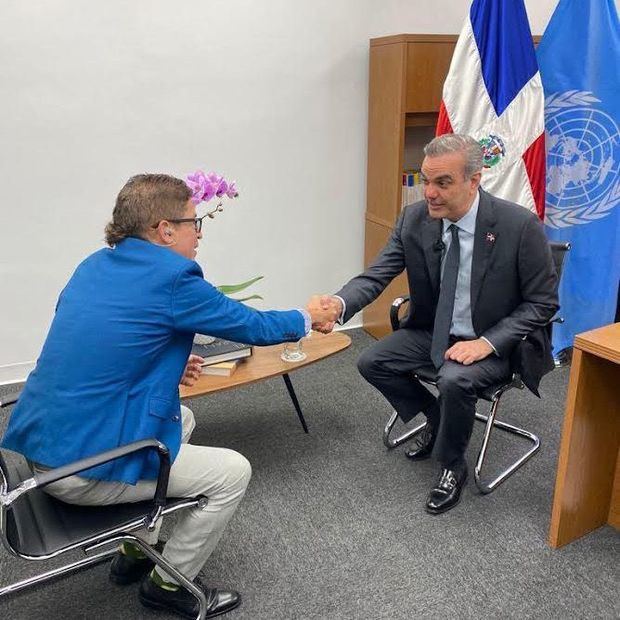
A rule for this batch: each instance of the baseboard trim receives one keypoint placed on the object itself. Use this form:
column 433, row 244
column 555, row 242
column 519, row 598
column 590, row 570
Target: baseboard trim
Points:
column 15, row 373
column 352, row 324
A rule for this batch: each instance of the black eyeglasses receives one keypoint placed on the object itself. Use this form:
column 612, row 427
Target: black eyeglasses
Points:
column 197, row 222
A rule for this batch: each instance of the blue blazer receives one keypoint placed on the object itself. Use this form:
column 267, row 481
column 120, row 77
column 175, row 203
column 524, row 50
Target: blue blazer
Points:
column 110, row 367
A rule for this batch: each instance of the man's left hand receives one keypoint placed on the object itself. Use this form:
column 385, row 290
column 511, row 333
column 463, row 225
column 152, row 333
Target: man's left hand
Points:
column 467, row 352
column 192, row 370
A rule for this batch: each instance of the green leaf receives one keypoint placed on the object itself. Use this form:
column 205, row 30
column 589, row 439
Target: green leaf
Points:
column 228, row 289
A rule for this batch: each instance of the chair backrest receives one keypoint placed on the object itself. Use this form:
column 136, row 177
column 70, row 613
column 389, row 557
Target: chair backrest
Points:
column 21, row 522
column 558, row 252
column 38, row 525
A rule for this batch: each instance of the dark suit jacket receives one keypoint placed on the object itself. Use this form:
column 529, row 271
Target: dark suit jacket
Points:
column 513, row 280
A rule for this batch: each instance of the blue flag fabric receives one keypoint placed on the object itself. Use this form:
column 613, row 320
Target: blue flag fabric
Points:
column 579, row 61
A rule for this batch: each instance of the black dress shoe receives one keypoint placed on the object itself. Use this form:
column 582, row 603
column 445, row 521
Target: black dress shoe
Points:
column 447, row 491
column 423, row 444
column 125, row 569
column 186, row 604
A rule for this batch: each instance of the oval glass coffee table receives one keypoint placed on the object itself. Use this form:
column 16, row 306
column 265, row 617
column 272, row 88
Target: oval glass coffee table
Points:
column 265, row 363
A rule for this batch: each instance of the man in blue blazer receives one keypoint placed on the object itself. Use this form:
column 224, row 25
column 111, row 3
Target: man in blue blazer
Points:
column 109, row 372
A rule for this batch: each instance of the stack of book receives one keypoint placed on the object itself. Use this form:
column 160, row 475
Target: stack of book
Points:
column 223, row 369
column 222, row 357
column 413, row 188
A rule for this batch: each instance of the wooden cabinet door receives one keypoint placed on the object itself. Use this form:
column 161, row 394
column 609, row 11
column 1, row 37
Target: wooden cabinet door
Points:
column 427, row 66
column 377, row 314
column 386, row 130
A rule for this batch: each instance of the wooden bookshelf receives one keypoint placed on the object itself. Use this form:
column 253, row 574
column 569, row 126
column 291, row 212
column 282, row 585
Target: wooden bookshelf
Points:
column 406, row 77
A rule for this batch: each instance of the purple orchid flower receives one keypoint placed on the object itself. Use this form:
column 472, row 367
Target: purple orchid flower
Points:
column 209, row 192
column 214, row 178
column 197, row 183
column 222, row 188
column 205, row 186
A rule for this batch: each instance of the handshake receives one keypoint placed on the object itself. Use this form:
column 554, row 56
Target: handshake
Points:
column 324, row 311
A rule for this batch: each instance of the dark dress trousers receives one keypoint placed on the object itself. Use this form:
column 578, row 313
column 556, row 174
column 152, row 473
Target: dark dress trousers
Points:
column 513, row 295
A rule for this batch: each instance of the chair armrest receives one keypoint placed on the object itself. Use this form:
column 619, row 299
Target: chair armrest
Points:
column 10, row 399
column 71, row 469
column 41, row 480
column 394, row 310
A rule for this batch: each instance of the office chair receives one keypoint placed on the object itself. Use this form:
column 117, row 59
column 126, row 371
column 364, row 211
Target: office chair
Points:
column 36, row 526
column 492, row 394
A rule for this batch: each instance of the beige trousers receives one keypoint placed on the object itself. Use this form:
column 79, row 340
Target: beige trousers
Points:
column 220, row 474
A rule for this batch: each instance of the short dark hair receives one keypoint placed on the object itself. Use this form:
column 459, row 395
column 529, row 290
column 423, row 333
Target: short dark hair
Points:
column 145, row 200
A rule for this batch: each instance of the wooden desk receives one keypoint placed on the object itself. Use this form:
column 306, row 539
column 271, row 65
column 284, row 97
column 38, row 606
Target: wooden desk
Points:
column 266, row 363
column 587, row 488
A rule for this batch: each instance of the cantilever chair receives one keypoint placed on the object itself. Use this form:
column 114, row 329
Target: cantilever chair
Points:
column 36, row 526
column 492, row 394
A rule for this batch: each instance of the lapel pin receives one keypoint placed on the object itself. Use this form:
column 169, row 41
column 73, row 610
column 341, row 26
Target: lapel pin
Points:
column 490, row 237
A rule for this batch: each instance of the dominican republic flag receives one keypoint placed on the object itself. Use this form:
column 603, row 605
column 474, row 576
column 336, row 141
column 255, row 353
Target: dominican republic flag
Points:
column 493, row 92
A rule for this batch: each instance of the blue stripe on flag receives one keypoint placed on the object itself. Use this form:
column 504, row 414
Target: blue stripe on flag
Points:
column 504, row 42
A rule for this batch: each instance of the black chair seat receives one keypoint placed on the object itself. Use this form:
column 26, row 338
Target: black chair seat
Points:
column 429, row 375
column 36, row 526
column 40, row 525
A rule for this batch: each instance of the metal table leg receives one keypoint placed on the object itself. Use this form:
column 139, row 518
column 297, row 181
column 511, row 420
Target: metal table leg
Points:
column 291, row 393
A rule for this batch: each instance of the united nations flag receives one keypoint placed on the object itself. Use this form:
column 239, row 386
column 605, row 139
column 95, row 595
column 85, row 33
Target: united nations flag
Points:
column 579, row 61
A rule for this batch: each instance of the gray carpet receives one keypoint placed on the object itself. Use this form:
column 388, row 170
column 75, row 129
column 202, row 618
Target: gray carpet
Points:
column 333, row 526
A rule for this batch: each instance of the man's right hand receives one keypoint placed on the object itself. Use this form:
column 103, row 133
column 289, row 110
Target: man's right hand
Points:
column 192, row 371
column 328, row 309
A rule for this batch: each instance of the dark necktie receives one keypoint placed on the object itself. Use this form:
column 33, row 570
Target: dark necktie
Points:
column 445, row 305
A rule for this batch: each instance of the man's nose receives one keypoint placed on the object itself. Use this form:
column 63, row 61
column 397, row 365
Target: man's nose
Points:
column 430, row 191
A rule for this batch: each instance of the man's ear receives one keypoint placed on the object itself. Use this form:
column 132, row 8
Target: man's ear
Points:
column 164, row 232
column 475, row 180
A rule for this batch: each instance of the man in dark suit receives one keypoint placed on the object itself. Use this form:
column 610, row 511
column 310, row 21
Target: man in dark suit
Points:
column 481, row 278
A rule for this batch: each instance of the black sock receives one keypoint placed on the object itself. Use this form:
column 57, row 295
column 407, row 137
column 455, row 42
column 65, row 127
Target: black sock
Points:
column 457, row 466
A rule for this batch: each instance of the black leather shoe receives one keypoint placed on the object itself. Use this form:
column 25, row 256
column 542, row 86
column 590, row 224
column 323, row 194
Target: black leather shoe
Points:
column 447, row 491
column 125, row 569
column 186, row 604
column 423, row 444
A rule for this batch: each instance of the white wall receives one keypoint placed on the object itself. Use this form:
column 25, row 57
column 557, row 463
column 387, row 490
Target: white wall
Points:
column 271, row 93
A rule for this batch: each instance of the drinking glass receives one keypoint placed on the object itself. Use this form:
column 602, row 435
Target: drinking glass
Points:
column 293, row 352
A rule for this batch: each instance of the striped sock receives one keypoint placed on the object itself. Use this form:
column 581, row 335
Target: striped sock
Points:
column 132, row 551
column 157, row 579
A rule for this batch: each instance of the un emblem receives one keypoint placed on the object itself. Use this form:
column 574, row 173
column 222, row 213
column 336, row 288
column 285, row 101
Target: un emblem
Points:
column 583, row 160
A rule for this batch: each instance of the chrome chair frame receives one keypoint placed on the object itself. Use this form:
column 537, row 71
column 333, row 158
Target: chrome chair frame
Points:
column 120, row 532
column 559, row 250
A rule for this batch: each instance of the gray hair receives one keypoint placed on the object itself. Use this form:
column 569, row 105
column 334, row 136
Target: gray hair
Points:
column 457, row 143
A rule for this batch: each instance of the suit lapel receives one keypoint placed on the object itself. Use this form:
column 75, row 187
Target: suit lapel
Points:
column 485, row 240
column 431, row 236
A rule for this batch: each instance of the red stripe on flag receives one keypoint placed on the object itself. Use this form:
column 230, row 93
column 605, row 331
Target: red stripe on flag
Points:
column 443, row 122
column 535, row 165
